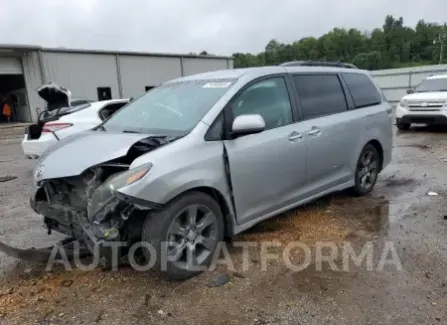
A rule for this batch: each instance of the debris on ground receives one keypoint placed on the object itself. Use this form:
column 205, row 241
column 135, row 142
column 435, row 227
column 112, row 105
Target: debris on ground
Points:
column 66, row 283
column 99, row 317
column 220, row 280
column 7, row 178
column 238, row 275
column 431, row 193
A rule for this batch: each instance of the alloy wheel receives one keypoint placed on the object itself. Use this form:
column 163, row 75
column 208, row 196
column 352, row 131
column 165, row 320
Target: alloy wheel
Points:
column 367, row 169
column 192, row 236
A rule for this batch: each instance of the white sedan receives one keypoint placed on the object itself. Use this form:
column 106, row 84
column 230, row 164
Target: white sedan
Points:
column 69, row 120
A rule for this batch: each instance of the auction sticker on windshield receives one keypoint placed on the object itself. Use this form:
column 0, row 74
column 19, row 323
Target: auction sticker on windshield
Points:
column 217, row 85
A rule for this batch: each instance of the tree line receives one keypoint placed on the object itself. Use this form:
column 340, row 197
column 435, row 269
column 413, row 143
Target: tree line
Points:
column 392, row 46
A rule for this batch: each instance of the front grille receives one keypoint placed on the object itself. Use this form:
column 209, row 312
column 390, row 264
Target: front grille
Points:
column 423, row 106
column 425, row 109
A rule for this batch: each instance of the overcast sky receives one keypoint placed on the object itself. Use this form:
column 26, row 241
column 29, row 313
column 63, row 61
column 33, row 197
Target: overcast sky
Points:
column 218, row 26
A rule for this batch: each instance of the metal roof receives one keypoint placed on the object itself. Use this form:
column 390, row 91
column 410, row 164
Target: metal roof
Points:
column 23, row 48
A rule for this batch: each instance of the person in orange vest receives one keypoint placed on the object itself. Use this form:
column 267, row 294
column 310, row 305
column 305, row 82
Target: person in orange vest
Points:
column 7, row 111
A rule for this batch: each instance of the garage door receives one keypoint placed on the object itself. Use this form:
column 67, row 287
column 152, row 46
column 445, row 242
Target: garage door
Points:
column 10, row 65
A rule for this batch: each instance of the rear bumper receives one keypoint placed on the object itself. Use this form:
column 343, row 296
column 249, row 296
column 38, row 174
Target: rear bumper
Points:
column 35, row 148
column 423, row 119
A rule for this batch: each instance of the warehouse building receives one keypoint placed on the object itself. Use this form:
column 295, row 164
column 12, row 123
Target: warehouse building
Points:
column 88, row 74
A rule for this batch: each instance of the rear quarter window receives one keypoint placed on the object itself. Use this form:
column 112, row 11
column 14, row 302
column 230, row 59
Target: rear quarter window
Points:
column 362, row 89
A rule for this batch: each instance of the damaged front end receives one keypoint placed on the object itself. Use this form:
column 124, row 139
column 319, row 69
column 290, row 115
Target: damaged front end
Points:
column 89, row 207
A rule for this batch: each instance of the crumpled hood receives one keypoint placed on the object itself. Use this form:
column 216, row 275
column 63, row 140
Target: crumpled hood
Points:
column 431, row 96
column 56, row 96
column 73, row 155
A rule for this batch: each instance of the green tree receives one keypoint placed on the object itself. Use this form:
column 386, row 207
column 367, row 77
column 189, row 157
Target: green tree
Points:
column 392, row 45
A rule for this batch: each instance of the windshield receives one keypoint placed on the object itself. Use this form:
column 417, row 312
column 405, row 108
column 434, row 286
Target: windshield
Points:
column 172, row 108
column 429, row 85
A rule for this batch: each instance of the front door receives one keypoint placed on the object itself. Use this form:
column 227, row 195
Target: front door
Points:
column 267, row 169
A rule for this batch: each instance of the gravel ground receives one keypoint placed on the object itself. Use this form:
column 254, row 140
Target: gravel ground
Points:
column 399, row 212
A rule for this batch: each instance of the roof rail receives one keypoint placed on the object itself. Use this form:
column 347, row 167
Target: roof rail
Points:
column 318, row 64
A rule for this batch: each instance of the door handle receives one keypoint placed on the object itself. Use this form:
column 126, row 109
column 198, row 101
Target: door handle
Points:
column 295, row 136
column 314, row 131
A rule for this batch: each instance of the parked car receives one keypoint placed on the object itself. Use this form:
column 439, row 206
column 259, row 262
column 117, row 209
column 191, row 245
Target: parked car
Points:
column 425, row 104
column 63, row 117
column 208, row 156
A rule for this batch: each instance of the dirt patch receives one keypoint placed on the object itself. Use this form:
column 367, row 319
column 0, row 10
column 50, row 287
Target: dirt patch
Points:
column 310, row 223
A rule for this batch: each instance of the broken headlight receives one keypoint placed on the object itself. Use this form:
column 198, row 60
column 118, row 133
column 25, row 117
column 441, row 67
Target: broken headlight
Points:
column 103, row 200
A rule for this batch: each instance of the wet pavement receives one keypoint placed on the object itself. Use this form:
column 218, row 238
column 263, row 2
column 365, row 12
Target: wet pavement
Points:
column 398, row 217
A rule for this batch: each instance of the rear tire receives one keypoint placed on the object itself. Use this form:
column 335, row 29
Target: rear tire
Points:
column 192, row 225
column 367, row 171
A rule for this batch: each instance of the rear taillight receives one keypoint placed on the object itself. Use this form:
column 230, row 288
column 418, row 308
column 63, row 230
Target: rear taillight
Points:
column 51, row 127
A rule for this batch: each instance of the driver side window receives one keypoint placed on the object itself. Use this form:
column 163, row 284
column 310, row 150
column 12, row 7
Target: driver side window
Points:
column 268, row 98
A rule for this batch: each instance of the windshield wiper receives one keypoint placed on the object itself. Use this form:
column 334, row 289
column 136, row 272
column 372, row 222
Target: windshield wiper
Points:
column 101, row 127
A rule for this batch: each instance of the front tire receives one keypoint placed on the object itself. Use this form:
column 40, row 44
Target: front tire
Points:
column 367, row 171
column 187, row 231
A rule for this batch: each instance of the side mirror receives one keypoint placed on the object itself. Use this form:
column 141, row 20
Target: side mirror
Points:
column 247, row 124
column 410, row 91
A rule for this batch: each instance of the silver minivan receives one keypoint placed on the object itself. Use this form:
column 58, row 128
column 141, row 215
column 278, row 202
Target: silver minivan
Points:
column 204, row 157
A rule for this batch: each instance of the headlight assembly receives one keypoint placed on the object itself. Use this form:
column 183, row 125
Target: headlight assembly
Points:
column 103, row 199
column 403, row 103
column 128, row 177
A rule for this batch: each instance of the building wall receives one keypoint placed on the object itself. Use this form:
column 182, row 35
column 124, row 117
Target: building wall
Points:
column 33, row 79
column 10, row 65
column 82, row 73
column 395, row 82
column 196, row 65
column 137, row 72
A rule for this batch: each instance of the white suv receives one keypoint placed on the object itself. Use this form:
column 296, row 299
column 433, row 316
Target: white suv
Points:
column 426, row 104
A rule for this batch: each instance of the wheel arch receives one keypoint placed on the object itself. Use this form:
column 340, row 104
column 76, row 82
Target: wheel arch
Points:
column 378, row 146
column 223, row 202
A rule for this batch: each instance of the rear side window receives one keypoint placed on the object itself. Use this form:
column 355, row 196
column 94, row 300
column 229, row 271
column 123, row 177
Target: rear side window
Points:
column 109, row 110
column 320, row 95
column 363, row 91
